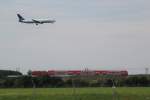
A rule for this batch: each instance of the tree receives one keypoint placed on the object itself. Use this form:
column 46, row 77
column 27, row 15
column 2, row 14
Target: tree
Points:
column 29, row 72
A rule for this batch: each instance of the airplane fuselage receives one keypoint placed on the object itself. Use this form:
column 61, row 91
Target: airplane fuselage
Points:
column 37, row 22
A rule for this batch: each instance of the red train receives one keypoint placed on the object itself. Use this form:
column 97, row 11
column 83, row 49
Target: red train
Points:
column 64, row 73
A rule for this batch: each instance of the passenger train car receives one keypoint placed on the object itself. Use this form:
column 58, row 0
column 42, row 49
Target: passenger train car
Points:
column 63, row 73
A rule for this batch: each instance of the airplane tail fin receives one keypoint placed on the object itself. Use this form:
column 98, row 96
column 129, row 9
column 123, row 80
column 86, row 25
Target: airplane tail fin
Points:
column 20, row 17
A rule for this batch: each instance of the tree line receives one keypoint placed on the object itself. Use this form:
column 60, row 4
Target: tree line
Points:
column 4, row 73
column 17, row 80
column 101, row 81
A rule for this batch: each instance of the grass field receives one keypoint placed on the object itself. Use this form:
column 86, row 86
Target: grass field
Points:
column 142, row 93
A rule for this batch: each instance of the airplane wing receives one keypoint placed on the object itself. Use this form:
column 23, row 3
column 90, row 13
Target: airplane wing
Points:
column 36, row 21
column 44, row 21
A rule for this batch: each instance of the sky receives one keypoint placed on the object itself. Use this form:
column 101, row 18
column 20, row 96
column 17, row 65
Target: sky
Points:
column 93, row 34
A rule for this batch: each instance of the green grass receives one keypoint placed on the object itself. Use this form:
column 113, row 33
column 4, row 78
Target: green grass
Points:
column 142, row 93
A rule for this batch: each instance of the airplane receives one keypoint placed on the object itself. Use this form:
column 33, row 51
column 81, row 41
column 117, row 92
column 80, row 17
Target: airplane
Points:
column 33, row 21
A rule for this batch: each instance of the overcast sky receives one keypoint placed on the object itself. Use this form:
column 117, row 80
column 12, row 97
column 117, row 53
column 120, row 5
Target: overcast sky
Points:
column 93, row 34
